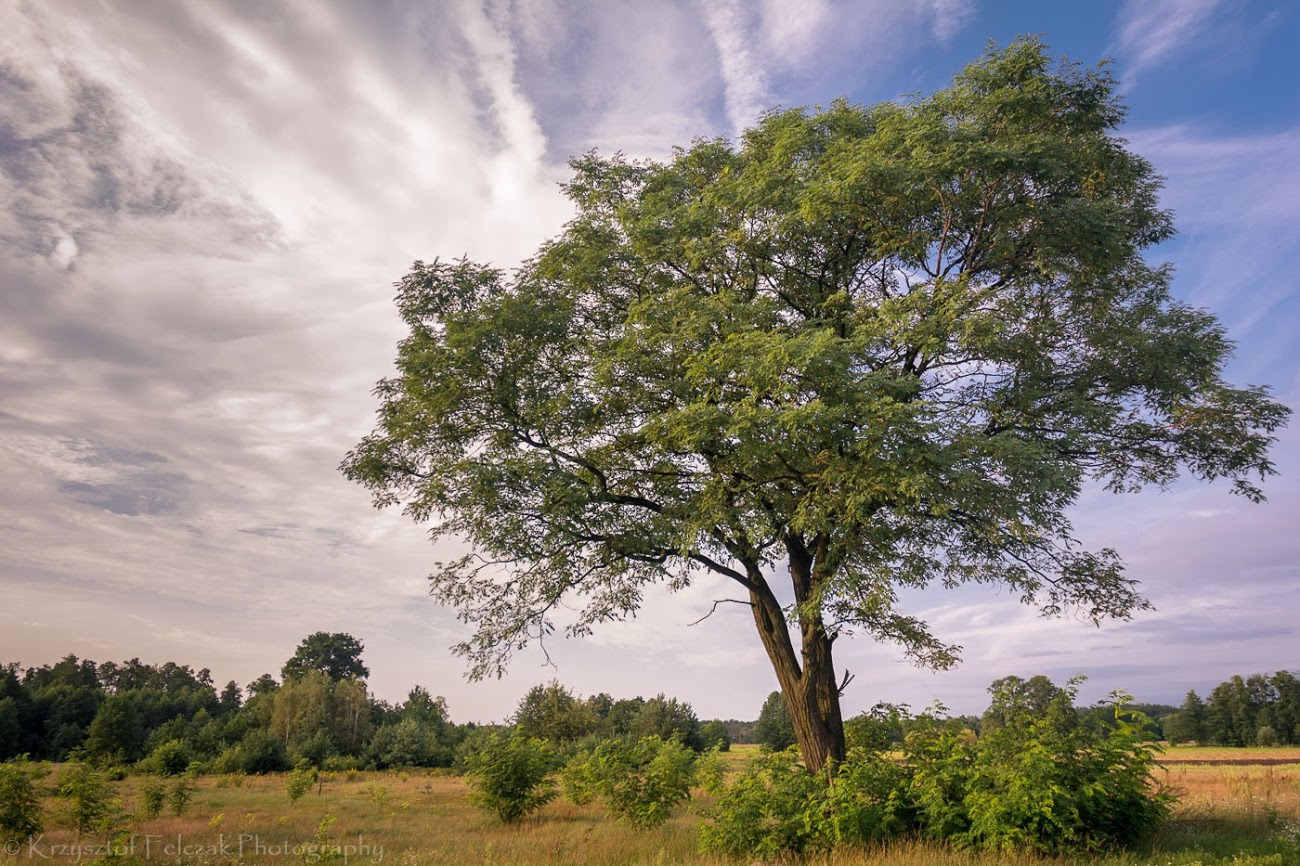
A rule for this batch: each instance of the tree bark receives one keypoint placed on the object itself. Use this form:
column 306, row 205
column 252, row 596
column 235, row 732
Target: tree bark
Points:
column 807, row 678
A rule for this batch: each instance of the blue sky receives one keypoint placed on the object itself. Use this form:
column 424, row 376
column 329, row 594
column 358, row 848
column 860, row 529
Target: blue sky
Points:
column 203, row 207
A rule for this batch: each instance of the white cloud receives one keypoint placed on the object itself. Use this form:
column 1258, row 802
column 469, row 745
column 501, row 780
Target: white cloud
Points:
column 1153, row 31
column 950, row 17
column 1233, row 202
column 743, row 74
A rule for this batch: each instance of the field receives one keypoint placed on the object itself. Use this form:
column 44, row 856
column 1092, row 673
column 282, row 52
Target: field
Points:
column 1230, row 813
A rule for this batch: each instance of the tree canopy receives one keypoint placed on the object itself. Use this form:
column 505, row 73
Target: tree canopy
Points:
column 862, row 349
column 337, row 655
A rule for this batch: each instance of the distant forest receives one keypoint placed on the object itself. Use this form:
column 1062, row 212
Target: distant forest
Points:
column 320, row 710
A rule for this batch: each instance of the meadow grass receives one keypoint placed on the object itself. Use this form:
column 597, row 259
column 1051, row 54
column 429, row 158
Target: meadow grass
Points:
column 1228, row 816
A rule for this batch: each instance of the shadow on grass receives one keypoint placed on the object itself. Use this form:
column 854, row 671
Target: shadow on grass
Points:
column 1249, row 840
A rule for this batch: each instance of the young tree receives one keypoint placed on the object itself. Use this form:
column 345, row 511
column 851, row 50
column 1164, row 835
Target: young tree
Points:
column 870, row 348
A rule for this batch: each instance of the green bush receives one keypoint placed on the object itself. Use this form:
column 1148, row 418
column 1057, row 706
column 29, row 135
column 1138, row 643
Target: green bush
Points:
column 169, row 759
column 510, row 775
column 300, row 780
column 152, row 794
column 341, row 764
column 766, row 812
column 640, row 782
column 89, row 801
column 260, row 751
column 1040, row 781
column 182, row 791
column 20, row 807
column 714, row 735
column 316, row 750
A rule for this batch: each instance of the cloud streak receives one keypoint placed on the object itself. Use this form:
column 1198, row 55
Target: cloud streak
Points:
column 1152, row 32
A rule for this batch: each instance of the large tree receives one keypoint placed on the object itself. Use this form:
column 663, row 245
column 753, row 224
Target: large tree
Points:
column 861, row 350
column 337, row 655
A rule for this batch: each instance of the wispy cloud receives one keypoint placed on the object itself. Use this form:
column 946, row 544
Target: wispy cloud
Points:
column 950, row 17
column 1151, row 32
column 1233, row 201
column 733, row 28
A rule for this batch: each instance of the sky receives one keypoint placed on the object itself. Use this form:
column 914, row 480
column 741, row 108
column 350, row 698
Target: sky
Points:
column 204, row 206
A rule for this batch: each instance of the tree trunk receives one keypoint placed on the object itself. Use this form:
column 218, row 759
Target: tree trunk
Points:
column 807, row 678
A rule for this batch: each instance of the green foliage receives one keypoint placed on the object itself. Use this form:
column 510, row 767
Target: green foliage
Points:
column 879, row 729
column 408, row 743
column 1039, row 781
column 865, row 347
column 169, row 759
column 300, row 780
column 774, row 729
column 89, row 800
column 668, row 719
column 551, row 712
column 711, row 770
column 312, row 711
column 152, row 793
column 316, row 749
column 714, row 735
column 640, row 782
column 1015, row 698
column 338, row 656
column 21, row 816
column 180, row 794
column 510, row 774
column 767, row 811
column 260, row 751
column 116, row 735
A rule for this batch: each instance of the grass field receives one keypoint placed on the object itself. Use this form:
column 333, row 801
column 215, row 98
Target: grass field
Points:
column 1244, row 815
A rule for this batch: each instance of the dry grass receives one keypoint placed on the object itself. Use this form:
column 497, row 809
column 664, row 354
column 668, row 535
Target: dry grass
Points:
column 421, row 817
column 1228, row 754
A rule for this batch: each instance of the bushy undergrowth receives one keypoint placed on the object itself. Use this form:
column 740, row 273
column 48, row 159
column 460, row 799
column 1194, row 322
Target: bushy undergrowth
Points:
column 1041, row 782
column 640, row 782
column 510, row 774
column 21, row 816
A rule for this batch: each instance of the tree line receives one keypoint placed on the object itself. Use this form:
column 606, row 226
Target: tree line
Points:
column 320, row 710
column 1257, row 710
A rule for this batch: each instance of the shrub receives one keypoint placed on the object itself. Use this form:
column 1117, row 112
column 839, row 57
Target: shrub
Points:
column 300, row 780
column 152, row 794
column 640, row 782
column 764, row 812
column 182, row 791
column 510, row 775
column 20, row 807
column 879, row 729
column 169, row 759
column 341, row 764
column 862, row 802
column 714, row 735
column 258, row 752
column 89, row 801
column 316, row 749
column 1040, row 782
